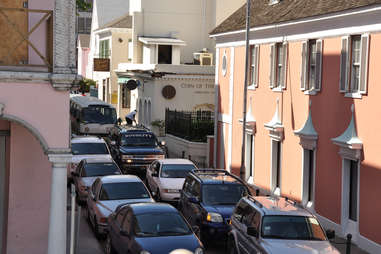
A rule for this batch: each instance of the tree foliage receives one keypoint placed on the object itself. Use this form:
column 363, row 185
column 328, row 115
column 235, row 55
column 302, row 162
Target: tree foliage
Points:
column 83, row 5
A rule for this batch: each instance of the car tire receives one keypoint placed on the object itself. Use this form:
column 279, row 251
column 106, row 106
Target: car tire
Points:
column 108, row 247
column 231, row 246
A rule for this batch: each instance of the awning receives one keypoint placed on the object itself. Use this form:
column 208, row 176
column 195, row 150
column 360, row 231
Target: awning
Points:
column 122, row 80
column 162, row 41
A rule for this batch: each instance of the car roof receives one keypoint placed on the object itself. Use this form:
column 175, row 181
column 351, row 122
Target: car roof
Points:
column 272, row 205
column 121, row 179
column 176, row 161
column 85, row 101
column 141, row 208
column 212, row 176
column 99, row 160
column 87, row 139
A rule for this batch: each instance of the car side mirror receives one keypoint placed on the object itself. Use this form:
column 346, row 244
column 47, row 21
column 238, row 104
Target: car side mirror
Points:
column 252, row 231
column 330, row 233
column 124, row 233
column 194, row 200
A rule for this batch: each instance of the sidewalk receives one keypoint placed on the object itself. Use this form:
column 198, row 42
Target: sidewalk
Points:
column 340, row 244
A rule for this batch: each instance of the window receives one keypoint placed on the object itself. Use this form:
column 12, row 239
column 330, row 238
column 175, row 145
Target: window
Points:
column 311, row 66
column 104, row 49
column 308, row 176
column 165, row 54
column 126, row 94
column 249, row 165
column 276, row 166
column 353, row 190
column 354, row 65
column 84, row 25
column 254, row 62
column 278, row 68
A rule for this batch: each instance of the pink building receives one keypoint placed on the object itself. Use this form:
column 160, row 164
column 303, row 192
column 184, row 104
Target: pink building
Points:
column 312, row 131
column 37, row 69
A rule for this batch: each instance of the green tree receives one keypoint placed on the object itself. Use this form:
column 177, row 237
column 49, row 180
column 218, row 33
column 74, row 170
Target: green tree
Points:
column 83, row 5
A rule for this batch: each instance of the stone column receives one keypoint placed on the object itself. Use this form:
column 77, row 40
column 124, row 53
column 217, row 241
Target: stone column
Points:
column 58, row 217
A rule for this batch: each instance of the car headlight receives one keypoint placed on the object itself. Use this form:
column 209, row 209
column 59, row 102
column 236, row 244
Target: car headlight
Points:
column 199, row 251
column 144, row 252
column 214, row 217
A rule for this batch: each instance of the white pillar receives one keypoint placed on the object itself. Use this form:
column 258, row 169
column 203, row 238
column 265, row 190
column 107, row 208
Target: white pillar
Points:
column 57, row 218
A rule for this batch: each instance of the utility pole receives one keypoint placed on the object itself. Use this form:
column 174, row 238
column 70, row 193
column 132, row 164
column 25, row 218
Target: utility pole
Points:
column 242, row 169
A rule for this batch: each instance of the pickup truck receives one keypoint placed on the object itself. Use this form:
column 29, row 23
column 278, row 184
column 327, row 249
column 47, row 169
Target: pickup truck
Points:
column 134, row 149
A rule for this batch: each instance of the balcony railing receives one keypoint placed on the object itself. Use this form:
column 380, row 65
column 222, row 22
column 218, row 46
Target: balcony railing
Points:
column 27, row 38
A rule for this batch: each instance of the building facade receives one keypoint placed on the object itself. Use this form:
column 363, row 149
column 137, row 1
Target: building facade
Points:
column 312, row 104
column 37, row 69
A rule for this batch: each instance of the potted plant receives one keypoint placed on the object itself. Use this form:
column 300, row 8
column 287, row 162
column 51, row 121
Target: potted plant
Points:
column 158, row 126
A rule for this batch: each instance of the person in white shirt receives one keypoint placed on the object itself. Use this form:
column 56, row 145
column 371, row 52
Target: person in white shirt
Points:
column 130, row 117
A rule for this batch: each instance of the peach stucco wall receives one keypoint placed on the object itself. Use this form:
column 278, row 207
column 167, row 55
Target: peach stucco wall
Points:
column 331, row 114
column 29, row 194
column 43, row 107
column 224, row 84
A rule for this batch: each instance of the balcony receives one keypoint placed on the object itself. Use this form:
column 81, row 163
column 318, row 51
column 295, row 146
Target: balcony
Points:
column 28, row 45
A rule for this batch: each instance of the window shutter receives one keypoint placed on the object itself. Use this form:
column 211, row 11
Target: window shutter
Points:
column 272, row 65
column 303, row 70
column 256, row 78
column 344, row 64
column 284, row 64
column 319, row 56
column 364, row 63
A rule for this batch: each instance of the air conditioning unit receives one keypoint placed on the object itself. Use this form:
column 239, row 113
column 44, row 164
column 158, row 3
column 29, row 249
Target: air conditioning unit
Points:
column 202, row 58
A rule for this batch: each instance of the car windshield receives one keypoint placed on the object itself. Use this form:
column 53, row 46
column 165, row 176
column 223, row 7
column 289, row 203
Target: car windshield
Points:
column 222, row 194
column 161, row 224
column 126, row 190
column 138, row 139
column 100, row 169
column 98, row 114
column 89, row 148
column 292, row 227
column 176, row 170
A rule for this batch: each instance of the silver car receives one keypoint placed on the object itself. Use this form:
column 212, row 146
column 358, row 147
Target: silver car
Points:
column 107, row 193
column 276, row 225
column 90, row 169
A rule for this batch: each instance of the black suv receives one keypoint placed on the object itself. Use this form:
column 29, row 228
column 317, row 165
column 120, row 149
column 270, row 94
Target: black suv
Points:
column 207, row 200
column 134, row 148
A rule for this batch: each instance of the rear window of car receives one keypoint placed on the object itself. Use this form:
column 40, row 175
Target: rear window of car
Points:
column 89, row 148
column 126, row 190
column 176, row 170
column 223, row 194
column 100, row 169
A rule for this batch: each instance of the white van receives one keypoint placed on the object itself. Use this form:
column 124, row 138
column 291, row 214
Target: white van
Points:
column 89, row 115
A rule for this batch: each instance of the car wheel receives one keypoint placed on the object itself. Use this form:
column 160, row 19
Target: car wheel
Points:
column 108, row 248
column 231, row 247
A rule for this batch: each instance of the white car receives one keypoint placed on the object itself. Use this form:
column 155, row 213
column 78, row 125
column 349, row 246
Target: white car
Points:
column 87, row 147
column 165, row 178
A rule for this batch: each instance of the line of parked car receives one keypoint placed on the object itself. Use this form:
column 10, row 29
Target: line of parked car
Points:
column 211, row 205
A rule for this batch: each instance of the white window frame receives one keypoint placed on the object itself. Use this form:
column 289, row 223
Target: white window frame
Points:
column 277, row 81
column 274, row 166
column 249, row 175
column 308, row 202
column 346, row 67
column 306, row 67
column 253, row 68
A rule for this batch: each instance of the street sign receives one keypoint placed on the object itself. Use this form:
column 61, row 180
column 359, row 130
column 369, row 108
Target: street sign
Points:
column 101, row 64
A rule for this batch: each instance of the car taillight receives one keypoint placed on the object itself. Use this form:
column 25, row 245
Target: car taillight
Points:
column 103, row 220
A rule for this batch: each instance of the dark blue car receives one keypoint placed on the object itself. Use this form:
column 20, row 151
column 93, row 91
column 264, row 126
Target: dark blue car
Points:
column 207, row 200
column 150, row 228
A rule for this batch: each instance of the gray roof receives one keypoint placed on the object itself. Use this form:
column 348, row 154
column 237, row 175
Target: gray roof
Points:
column 84, row 40
column 108, row 10
column 262, row 13
column 122, row 22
